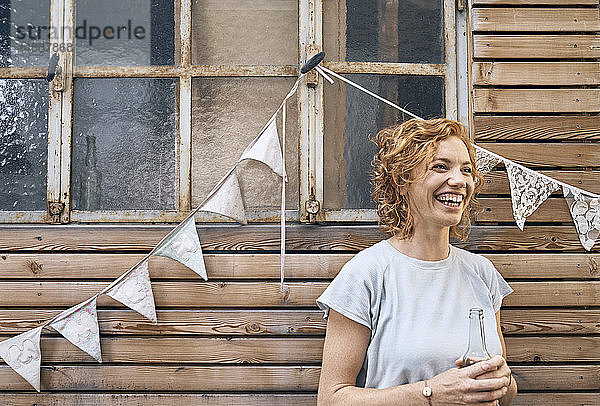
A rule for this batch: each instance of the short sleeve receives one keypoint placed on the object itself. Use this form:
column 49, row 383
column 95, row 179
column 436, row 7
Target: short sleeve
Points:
column 499, row 288
column 350, row 293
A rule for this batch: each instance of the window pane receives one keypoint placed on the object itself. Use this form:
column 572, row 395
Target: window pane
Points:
column 124, row 138
column 410, row 31
column 132, row 32
column 228, row 113
column 23, row 144
column 24, row 32
column 245, row 32
column 353, row 118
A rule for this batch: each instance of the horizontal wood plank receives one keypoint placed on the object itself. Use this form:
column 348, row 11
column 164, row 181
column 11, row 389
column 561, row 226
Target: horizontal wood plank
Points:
column 169, row 350
column 556, row 377
column 554, row 321
column 283, row 322
column 541, row 266
column 552, row 349
column 95, row 377
column 536, row 19
column 264, row 294
column 529, row 128
column 184, row 322
column 170, row 399
column 241, row 266
column 548, row 154
column 535, row 73
column 491, row 100
column 167, row 294
column 500, row 209
column 266, row 238
column 496, row 182
column 247, row 378
column 280, row 399
column 536, row 46
column 539, row 2
column 219, row 266
column 557, row 399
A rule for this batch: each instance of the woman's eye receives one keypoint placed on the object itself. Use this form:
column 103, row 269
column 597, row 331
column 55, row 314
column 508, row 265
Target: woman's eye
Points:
column 439, row 166
column 467, row 170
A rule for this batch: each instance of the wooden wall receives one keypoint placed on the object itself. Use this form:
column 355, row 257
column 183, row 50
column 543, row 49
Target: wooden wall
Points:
column 536, row 99
column 237, row 340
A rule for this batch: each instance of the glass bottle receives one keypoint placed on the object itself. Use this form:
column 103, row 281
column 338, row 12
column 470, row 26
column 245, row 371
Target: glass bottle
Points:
column 476, row 351
column 90, row 179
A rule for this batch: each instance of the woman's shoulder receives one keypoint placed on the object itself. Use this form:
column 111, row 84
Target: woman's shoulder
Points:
column 376, row 254
column 370, row 261
column 475, row 262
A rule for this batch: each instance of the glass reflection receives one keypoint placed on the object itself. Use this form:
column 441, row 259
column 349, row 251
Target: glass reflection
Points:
column 124, row 138
column 25, row 35
column 23, row 144
column 124, row 33
column 353, row 118
column 410, row 31
column 245, row 32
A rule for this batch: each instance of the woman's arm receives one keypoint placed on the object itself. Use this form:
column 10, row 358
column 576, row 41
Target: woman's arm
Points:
column 344, row 351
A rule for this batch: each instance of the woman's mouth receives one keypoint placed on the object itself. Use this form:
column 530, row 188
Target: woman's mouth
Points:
column 450, row 199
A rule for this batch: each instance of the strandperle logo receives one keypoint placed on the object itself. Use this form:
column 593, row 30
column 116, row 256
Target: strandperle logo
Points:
column 83, row 31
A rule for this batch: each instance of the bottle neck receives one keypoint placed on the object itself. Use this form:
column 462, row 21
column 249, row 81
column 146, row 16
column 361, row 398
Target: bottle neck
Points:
column 477, row 346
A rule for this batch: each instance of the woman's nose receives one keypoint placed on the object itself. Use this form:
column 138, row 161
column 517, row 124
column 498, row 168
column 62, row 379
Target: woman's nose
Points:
column 456, row 178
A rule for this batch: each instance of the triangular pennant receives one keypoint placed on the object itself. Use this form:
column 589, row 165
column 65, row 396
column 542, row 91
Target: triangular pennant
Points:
column 585, row 212
column 227, row 200
column 528, row 191
column 267, row 149
column 184, row 246
column 485, row 161
column 79, row 325
column 22, row 353
column 135, row 292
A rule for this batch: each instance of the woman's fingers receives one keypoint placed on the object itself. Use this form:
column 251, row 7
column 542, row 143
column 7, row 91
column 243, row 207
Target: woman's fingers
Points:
column 483, row 367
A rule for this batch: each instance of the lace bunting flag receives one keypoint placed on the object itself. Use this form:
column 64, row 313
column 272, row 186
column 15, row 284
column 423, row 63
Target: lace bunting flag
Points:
column 485, row 162
column 528, row 191
column 184, row 246
column 585, row 212
column 267, row 149
column 227, row 200
column 135, row 292
column 79, row 325
column 22, row 353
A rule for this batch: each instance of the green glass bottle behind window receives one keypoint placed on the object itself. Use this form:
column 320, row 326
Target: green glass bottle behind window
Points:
column 90, row 179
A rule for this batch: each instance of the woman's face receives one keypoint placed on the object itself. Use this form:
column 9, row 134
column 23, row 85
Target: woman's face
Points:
column 443, row 188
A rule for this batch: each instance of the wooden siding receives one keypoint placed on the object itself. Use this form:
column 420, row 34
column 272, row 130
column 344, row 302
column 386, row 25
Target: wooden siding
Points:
column 536, row 99
column 237, row 339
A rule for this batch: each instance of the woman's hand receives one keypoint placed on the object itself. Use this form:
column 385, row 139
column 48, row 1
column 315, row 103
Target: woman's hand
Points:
column 483, row 383
column 502, row 371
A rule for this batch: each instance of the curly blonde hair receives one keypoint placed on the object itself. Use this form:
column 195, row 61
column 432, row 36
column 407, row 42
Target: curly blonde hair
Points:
column 402, row 148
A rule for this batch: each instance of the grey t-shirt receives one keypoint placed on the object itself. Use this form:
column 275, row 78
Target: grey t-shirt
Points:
column 417, row 311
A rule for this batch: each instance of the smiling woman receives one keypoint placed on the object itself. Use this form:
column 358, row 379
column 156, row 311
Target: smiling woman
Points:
column 397, row 311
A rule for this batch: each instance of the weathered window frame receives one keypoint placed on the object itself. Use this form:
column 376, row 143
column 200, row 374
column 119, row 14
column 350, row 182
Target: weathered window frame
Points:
column 311, row 102
column 311, row 121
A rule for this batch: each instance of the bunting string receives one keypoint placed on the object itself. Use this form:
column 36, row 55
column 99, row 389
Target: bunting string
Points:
column 284, row 179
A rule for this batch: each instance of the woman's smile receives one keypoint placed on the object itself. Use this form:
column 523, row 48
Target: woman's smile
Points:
column 443, row 186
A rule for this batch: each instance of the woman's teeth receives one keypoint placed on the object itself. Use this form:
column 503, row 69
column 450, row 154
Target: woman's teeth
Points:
column 450, row 199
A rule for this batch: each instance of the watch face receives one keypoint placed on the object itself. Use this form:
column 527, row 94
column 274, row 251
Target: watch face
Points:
column 427, row 391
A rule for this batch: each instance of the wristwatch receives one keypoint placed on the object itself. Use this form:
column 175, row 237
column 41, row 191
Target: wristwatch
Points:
column 427, row 392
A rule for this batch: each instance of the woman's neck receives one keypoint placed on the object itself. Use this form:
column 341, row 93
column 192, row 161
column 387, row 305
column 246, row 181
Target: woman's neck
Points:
column 424, row 246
